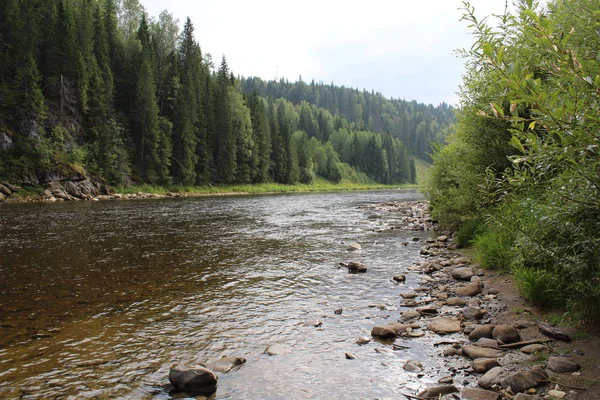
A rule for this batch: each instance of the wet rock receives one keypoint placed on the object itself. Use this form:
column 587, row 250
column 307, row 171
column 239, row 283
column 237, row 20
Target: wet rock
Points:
column 427, row 310
column 413, row 366
column 354, row 247
column 442, row 238
column 474, row 352
column 562, row 365
column 440, row 295
column 355, row 267
column 451, row 351
column 484, row 331
column 436, row 391
column 557, row 394
column 411, row 315
column 276, row 350
column 362, row 340
column 4, row 190
column 478, row 394
column 195, row 379
column 493, row 291
column 506, row 334
column 523, row 396
column 388, row 331
column 523, row 380
column 492, row 377
column 350, row 356
column 415, row 239
column 399, row 278
column 446, row 380
column 408, row 295
column 225, row 364
column 338, row 311
column 470, row 289
column 462, row 273
column 482, row 365
column 444, row 325
column 472, row 313
column 455, row 301
column 535, row 348
column 474, row 302
column 485, row 342
column 314, row 322
column 554, row 332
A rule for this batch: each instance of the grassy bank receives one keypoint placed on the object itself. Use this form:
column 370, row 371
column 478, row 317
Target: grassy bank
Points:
column 319, row 185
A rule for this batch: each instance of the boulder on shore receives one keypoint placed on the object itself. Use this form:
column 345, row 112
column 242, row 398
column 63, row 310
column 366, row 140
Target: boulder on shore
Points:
column 506, row 333
column 195, row 379
column 523, row 380
column 444, row 325
column 470, row 289
column 474, row 352
column 562, row 365
column 492, row 377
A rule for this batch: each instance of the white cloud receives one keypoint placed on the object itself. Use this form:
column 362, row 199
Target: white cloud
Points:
column 401, row 48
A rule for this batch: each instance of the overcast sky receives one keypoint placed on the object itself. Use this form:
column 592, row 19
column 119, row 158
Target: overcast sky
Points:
column 401, row 48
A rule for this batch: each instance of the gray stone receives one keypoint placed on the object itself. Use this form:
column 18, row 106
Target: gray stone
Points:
column 485, row 342
column 442, row 238
column 411, row 315
column 195, row 379
column 355, row 267
column 523, row 396
column 535, row 348
column 478, row 394
column 470, row 289
column 436, row 391
column 413, row 366
column 483, row 365
column 472, row 313
column 451, row 351
column 444, row 325
column 557, row 394
column 427, row 310
column 462, row 273
column 523, row 380
column 225, row 364
column 354, row 247
column 474, row 352
column 554, row 332
column 5, row 141
column 276, row 350
column 483, row 331
column 492, row 377
column 314, row 323
column 562, row 365
column 351, row 356
column 506, row 334
column 408, row 295
column 362, row 340
column 455, row 301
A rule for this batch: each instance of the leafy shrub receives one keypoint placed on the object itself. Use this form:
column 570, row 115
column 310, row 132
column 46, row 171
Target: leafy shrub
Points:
column 495, row 248
column 541, row 287
column 468, row 231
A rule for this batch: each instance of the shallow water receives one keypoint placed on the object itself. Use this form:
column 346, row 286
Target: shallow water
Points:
column 98, row 299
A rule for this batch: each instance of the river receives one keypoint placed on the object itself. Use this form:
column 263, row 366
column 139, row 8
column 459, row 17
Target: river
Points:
column 99, row 299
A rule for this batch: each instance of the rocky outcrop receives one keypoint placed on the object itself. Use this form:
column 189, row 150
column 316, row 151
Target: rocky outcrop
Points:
column 195, row 379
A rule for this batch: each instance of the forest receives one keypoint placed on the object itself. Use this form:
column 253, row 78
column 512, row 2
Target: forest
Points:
column 99, row 88
column 519, row 177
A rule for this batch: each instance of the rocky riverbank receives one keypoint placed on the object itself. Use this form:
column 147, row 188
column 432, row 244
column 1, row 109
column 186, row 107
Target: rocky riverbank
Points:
column 486, row 342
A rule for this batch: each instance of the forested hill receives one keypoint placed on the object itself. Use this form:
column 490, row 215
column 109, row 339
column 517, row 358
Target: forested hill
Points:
column 97, row 88
column 417, row 125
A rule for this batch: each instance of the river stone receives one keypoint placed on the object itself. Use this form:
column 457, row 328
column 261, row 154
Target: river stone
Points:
column 451, row 351
column 554, row 332
column 470, row 289
column 436, row 391
column 355, row 267
column 557, row 394
column 446, row 380
column 427, row 310
column 472, row 313
column 455, row 301
column 444, row 325
column 225, row 364
column 276, row 350
column 523, row 396
column 484, row 331
column 2, row 197
column 408, row 295
column 474, row 302
column 314, row 322
column 462, row 273
column 524, row 323
column 535, row 348
column 399, row 278
column 413, row 366
column 562, row 365
column 482, row 365
column 195, row 379
column 506, row 334
column 523, row 380
column 350, row 356
column 411, row 315
column 474, row 352
column 492, row 377
column 442, row 238
column 485, row 342
column 4, row 190
column 354, row 247
column 388, row 331
column 478, row 394
column 362, row 340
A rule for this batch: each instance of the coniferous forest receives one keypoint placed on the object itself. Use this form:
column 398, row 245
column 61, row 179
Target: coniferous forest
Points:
column 100, row 88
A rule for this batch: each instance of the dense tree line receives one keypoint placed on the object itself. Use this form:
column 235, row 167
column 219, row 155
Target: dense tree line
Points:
column 415, row 124
column 520, row 176
column 99, row 87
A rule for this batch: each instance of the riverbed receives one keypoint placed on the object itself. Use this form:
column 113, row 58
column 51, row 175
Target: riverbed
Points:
column 99, row 299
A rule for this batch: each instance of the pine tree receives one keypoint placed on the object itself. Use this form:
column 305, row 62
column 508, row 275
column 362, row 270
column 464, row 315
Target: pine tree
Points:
column 225, row 160
column 261, row 137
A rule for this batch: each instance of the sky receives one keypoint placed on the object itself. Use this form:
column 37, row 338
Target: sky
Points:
column 404, row 49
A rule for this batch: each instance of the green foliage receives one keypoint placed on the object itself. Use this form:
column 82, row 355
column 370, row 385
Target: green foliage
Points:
column 468, row 231
column 541, row 287
column 494, row 248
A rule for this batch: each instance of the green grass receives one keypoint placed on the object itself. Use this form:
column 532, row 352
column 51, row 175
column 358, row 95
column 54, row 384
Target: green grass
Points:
column 423, row 168
column 319, row 185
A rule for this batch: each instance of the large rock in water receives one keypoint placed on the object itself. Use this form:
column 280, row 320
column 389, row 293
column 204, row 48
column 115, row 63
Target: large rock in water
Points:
column 276, row 350
column 506, row 333
column 225, row 364
column 562, row 365
column 355, row 267
column 523, row 380
column 444, row 325
column 354, row 247
column 194, row 379
column 474, row 352
column 388, row 331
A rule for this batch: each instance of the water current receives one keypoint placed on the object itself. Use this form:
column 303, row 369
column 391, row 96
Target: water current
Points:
column 99, row 299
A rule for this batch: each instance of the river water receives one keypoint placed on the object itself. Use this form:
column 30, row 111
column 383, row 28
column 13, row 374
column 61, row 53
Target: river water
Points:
column 99, row 299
